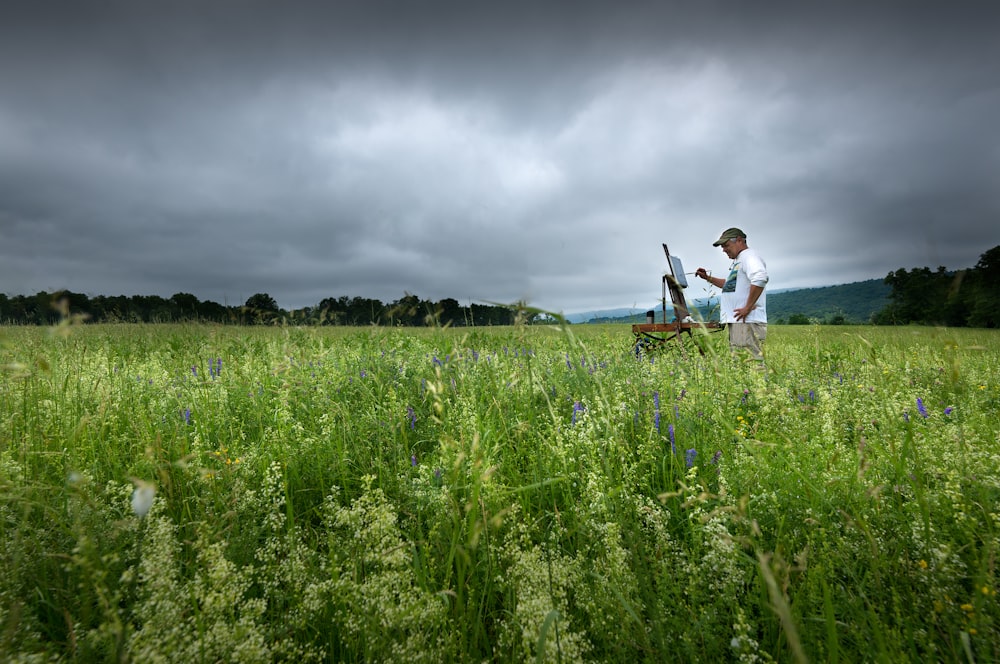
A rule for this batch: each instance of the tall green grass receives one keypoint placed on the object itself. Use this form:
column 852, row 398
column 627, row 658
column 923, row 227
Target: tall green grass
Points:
column 198, row 493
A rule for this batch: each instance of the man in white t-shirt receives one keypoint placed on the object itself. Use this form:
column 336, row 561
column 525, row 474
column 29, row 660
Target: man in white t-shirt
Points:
column 743, row 304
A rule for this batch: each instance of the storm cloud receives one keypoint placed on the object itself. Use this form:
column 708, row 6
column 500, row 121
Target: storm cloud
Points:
column 536, row 151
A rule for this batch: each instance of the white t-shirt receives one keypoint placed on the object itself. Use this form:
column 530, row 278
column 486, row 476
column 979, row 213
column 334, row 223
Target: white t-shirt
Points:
column 748, row 268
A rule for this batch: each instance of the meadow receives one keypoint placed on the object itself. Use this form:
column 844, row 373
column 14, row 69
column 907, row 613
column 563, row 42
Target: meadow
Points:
column 196, row 493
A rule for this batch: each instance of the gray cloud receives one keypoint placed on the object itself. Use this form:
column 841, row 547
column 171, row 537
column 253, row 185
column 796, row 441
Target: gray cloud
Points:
column 488, row 152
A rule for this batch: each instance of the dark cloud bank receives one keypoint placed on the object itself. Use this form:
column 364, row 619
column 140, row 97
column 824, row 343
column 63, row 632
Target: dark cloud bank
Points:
column 489, row 152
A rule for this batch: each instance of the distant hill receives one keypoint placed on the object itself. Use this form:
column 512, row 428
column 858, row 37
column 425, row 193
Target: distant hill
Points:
column 855, row 303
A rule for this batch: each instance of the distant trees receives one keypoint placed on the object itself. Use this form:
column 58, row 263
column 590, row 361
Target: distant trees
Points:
column 960, row 298
column 798, row 319
column 46, row 308
column 984, row 301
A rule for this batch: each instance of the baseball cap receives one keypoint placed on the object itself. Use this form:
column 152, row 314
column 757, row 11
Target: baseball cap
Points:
column 727, row 235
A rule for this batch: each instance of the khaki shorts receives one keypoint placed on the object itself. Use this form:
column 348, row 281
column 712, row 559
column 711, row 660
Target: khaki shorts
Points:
column 750, row 336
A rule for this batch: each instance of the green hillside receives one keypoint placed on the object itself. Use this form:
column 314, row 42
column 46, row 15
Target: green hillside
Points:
column 855, row 302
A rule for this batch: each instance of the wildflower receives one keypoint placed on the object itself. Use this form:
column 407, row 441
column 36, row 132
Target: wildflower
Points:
column 921, row 408
column 577, row 407
column 194, row 371
column 716, row 456
column 412, row 416
column 923, row 564
column 413, row 460
column 689, row 456
column 670, row 431
column 656, row 410
column 906, row 416
column 142, row 498
column 947, row 411
column 187, row 415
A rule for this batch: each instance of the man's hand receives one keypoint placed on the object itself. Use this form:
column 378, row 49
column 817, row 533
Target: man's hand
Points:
column 701, row 272
column 741, row 313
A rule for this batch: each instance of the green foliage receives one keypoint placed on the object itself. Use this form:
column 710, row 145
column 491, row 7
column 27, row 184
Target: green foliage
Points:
column 962, row 298
column 205, row 493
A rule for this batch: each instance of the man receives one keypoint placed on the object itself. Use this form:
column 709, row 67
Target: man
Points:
column 743, row 303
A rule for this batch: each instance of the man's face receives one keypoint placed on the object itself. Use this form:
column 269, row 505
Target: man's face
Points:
column 733, row 247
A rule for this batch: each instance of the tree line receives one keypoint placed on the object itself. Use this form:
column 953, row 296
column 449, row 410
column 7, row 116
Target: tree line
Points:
column 45, row 308
column 957, row 298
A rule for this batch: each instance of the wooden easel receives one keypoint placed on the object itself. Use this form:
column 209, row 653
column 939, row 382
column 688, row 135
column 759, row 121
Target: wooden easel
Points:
column 652, row 334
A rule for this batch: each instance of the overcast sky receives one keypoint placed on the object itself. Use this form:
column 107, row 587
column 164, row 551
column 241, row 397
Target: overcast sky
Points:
column 489, row 151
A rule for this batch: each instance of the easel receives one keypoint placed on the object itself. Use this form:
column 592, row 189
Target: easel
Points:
column 655, row 335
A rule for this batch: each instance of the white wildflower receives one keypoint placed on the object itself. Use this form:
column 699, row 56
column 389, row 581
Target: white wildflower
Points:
column 142, row 497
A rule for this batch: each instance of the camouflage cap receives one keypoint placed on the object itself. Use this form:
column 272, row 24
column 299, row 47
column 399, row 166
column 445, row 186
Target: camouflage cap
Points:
column 727, row 235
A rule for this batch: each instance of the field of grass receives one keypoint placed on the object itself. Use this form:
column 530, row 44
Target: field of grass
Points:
column 208, row 494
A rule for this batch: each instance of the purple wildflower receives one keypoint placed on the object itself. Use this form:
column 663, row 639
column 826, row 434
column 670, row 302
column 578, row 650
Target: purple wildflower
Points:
column 716, row 457
column 947, row 411
column 656, row 410
column 577, row 407
column 906, row 416
column 187, row 415
column 921, row 409
column 412, row 416
column 194, row 371
column 670, row 432
column 689, row 456
column 413, row 459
